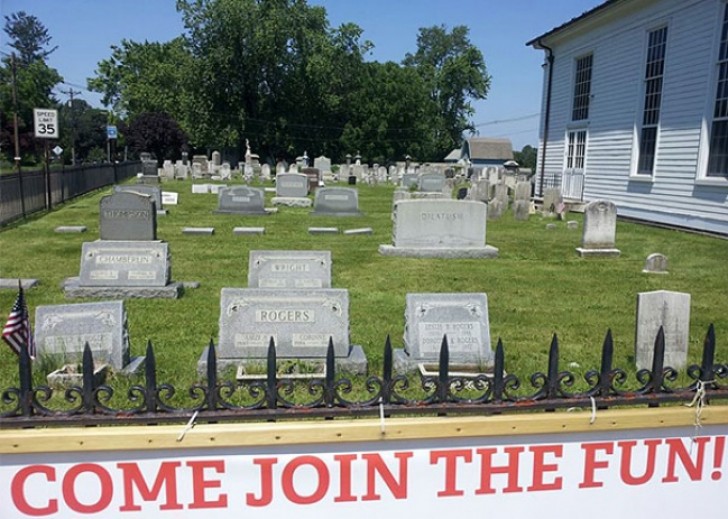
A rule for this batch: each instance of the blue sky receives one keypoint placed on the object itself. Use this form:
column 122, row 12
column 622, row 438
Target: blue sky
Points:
column 84, row 30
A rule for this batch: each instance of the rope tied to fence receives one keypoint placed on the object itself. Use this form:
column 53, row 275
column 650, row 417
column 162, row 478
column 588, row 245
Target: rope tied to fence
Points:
column 699, row 403
column 593, row 417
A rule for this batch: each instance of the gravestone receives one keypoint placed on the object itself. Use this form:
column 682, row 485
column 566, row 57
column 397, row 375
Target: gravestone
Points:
column 314, row 177
column 151, row 191
column 439, row 228
column 656, row 263
column 170, row 198
column 225, row 171
column 409, row 180
column 431, row 182
column 480, row 190
column 336, row 201
column 280, row 167
column 292, row 190
column 463, row 318
column 265, row 172
column 202, row 164
column 149, row 168
column 522, row 201
column 61, row 332
column 323, row 164
column 671, row 310
column 216, row 158
column 200, row 189
column 552, row 200
column 241, row 200
column 127, row 216
column 600, row 228
column 300, row 321
column 125, row 264
column 289, row 269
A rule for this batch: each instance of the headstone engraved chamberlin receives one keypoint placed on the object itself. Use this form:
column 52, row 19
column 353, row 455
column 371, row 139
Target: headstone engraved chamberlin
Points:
column 439, row 228
column 61, row 332
column 127, row 261
column 300, row 321
column 600, row 228
column 336, row 201
column 671, row 310
column 463, row 318
column 241, row 200
column 289, row 269
column 127, row 216
column 292, row 190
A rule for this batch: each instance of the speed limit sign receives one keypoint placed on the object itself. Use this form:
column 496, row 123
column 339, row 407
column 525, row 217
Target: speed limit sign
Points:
column 45, row 121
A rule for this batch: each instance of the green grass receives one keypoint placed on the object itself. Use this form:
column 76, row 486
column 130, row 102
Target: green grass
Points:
column 537, row 287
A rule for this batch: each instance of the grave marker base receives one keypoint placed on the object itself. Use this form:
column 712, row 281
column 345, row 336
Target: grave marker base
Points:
column 487, row 251
column 73, row 289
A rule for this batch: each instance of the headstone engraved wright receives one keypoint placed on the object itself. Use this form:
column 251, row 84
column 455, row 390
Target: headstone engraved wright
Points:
column 671, row 310
column 439, row 228
column 128, row 216
column 336, row 201
column 463, row 318
column 289, row 269
column 600, row 228
column 62, row 331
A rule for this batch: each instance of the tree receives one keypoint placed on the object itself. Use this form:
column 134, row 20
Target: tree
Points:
column 456, row 73
column 29, row 75
column 526, row 158
column 89, row 126
column 28, row 36
column 155, row 132
column 144, row 77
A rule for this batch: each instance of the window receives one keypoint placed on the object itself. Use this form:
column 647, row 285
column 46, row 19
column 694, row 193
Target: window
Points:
column 582, row 88
column 718, row 155
column 576, row 150
column 654, row 70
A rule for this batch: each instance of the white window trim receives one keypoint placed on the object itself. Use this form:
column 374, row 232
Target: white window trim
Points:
column 634, row 176
column 701, row 172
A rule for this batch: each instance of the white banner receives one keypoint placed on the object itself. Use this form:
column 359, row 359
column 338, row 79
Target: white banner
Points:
column 667, row 472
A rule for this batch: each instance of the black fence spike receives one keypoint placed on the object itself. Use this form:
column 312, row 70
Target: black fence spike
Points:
column 498, row 370
column 25, row 376
column 387, row 372
column 87, row 377
column 443, row 374
column 271, row 376
column 606, row 366
column 553, row 368
column 150, row 375
column 330, row 373
column 707, row 364
column 211, row 377
column 658, row 361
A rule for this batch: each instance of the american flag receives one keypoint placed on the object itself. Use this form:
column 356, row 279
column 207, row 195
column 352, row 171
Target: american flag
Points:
column 17, row 332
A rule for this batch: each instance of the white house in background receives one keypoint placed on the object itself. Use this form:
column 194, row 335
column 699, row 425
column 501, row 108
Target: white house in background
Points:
column 486, row 151
column 635, row 110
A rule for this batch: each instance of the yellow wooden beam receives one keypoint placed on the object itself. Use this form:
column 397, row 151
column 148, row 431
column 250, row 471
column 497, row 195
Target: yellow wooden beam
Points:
column 112, row 438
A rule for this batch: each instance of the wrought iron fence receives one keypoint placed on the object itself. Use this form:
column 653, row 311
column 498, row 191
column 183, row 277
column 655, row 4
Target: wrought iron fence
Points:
column 274, row 397
column 33, row 192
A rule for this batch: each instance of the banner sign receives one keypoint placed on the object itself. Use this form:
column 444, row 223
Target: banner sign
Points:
column 673, row 472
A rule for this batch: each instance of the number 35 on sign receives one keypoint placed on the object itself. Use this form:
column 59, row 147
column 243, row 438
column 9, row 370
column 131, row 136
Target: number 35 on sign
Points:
column 45, row 121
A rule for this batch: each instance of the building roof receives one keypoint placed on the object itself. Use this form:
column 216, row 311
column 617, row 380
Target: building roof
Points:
column 587, row 14
column 453, row 156
column 486, row 148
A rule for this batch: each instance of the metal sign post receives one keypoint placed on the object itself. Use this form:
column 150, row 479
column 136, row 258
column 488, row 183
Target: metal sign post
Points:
column 45, row 122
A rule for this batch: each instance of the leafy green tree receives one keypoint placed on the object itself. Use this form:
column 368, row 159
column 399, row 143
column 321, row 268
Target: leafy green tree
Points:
column 86, row 124
column 155, row 132
column 526, row 158
column 33, row 80
column 456, row 73
column 144, row 77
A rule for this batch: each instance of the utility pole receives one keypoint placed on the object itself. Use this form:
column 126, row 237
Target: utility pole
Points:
column 15, row 133
column 70, row 93
column 15, row 111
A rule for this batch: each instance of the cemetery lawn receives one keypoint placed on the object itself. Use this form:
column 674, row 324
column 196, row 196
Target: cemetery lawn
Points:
column 538, row 285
